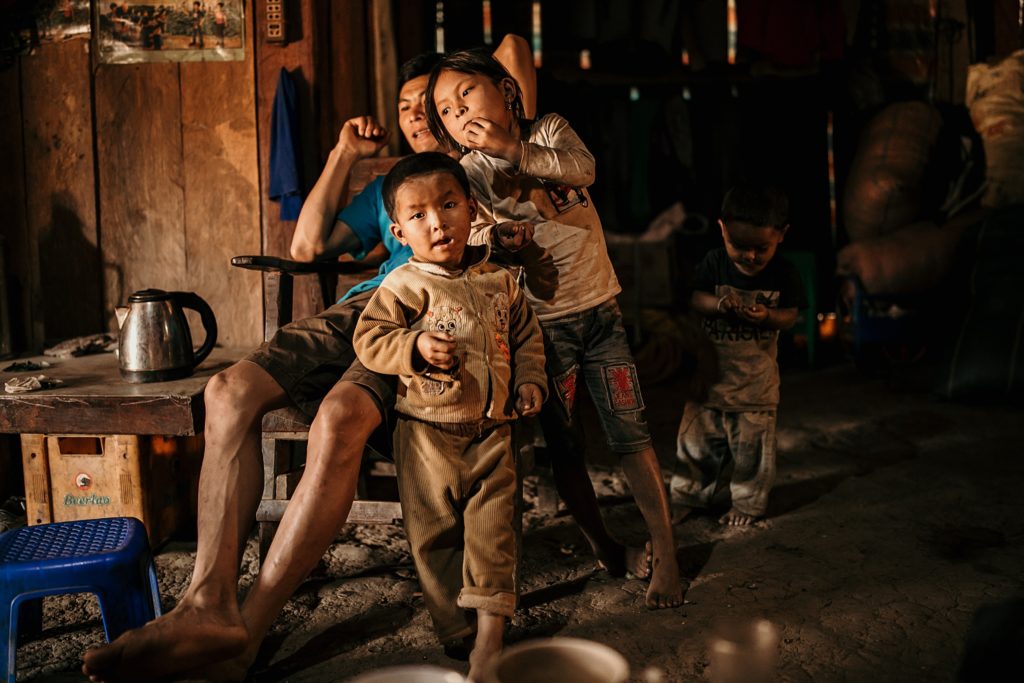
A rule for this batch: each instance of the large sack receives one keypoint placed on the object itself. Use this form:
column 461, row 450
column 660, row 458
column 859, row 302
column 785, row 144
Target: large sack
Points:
column 995, row 96
column 886, row 186
column 913, row 260
column 986, row 358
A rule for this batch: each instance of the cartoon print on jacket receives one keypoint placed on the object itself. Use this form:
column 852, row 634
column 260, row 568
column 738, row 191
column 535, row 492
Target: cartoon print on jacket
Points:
column 445, row 319
column 501, row 305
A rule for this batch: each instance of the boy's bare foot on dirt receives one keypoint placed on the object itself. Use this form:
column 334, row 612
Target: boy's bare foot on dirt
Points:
column 736, row 518
column 183, row 639
column 619, row 559
column 665, row 589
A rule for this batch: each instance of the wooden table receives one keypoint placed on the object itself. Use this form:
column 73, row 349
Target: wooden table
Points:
column 94, row 405
column 95, row 400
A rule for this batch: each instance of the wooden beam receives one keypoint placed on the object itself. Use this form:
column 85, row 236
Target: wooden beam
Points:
column 299, row 56
column 21, row 281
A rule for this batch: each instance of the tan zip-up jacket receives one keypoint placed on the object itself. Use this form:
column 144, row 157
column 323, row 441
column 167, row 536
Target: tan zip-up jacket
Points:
column 499, row 341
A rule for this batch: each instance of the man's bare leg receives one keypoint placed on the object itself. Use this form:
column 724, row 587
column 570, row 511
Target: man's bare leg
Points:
column 206, row 625
column 644, row 476
column 490, row 638
column 319, row 506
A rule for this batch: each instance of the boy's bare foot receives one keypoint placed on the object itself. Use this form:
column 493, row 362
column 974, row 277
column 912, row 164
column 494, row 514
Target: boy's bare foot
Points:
column 665, row 589
column 183, row 639
column 736, row 518
column 618, row 560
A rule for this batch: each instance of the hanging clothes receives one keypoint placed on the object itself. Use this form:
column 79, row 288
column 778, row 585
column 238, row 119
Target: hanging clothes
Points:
column 285, row 185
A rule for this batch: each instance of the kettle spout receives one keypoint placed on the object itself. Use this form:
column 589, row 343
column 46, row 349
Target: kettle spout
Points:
column 121, row 312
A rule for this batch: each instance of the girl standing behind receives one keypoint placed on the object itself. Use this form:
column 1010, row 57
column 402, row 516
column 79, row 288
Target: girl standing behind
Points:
column 523, row 170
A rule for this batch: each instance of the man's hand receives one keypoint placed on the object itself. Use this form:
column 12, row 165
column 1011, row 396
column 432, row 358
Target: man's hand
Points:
column 437, row 348
column 362, row 136
column 493, row 140
column 513, row 235
column 529, row 401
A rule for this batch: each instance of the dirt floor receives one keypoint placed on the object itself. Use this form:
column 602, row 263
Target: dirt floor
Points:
column 894, row 517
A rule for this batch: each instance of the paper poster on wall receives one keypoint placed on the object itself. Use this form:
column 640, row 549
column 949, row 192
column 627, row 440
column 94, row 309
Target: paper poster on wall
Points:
column 52, row 21
column 192, row 31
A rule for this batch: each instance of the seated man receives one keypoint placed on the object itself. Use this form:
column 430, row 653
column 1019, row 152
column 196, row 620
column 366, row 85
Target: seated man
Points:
column 305, row 364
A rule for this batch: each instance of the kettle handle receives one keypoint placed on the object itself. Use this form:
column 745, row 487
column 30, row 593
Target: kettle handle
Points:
column 193, row 301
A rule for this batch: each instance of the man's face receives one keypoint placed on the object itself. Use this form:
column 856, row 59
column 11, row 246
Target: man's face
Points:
column 412, row 117
column 751, row 247
column 433, row 216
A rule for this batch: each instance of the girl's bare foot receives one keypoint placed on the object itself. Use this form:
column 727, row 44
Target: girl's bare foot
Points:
column 665, row 589
column 736, row 518
column 181, row 640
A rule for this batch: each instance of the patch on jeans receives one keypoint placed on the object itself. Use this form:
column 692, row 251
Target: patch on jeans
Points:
column 623, row 389
column 565, row 387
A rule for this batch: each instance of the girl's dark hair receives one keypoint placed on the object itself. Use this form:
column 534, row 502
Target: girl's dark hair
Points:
column 475, row 61
column 424, row 163
column 757, row 204
column 420, row 65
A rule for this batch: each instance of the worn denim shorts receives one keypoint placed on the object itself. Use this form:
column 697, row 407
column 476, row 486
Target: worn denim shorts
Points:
column 593, row 345
column 308, row 357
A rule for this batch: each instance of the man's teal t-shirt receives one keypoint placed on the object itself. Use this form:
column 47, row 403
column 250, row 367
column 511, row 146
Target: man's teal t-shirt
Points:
column 369, row 221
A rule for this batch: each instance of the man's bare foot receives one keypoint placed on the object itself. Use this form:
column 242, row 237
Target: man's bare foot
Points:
column 233, row 670
column 680, row 514
column 183, row 639
column 736, row 518
column 619, row 559
column 665, row 589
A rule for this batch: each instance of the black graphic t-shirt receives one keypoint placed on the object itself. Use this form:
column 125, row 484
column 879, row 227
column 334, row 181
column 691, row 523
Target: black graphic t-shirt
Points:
column 748, row 371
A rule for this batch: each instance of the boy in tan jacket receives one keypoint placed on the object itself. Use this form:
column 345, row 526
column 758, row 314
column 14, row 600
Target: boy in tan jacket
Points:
column 469, row 354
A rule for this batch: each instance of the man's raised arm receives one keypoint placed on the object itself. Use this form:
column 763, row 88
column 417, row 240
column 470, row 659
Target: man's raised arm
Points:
column 318, row 232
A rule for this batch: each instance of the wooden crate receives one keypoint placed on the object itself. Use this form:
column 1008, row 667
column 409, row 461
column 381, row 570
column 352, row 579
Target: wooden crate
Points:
column 92, row 476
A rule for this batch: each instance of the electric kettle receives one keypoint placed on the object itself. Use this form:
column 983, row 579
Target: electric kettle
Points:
column 155, row 344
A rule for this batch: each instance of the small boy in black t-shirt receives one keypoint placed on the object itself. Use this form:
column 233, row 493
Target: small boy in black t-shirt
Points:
column 746, row 296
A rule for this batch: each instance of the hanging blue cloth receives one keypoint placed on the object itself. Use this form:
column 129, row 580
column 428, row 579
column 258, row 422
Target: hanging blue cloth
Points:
column 284, row 144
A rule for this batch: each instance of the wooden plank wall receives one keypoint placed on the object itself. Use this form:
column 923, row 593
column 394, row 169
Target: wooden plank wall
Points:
column 123, row 177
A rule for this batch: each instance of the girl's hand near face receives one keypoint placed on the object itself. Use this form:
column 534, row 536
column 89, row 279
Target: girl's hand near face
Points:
column 488, row 137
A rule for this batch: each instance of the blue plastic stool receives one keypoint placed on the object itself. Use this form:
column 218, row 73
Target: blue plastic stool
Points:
column 107, row 557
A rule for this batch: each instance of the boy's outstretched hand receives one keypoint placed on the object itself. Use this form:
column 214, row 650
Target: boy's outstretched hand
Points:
column 752, row 314
column 437, row 348
column 530, row 398
column 514, row 235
